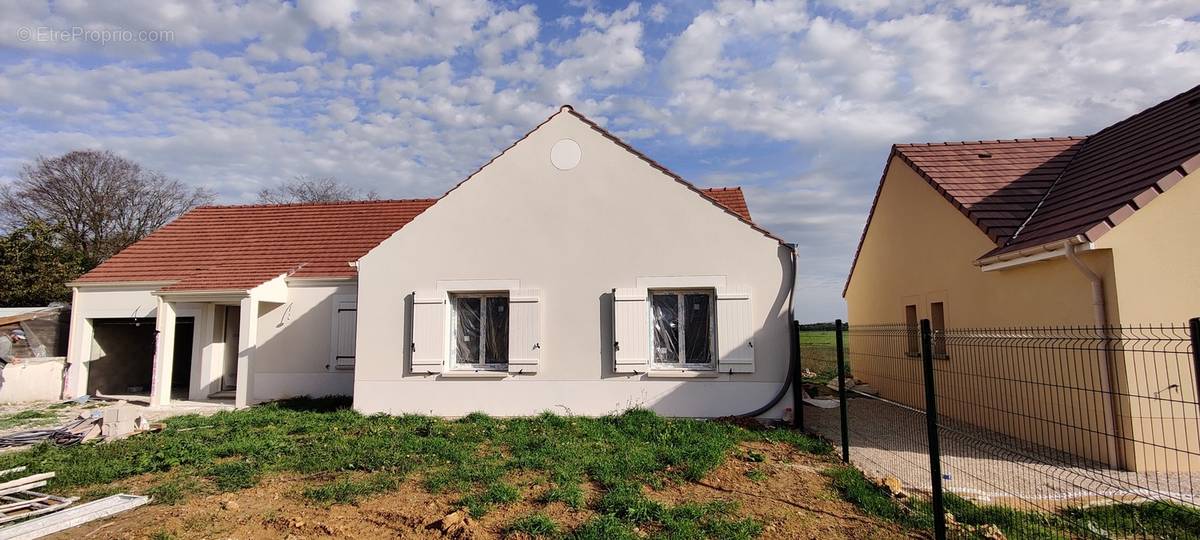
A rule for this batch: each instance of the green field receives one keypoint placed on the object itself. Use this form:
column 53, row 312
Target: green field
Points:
column 818, row 354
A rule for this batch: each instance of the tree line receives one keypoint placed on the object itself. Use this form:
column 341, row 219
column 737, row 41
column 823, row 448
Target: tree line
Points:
column 64, row 215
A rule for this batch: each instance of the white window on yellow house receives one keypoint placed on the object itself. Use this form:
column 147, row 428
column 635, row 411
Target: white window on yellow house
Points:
column 480, row 326
column 684, row 328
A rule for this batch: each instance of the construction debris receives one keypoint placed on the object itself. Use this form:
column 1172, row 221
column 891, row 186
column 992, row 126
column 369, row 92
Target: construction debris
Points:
column 72, row 517
column 19, row 501
column 74, row 432
column 853, row 385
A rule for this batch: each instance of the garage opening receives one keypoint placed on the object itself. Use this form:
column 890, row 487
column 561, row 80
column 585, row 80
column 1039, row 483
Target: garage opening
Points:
column 123, row 355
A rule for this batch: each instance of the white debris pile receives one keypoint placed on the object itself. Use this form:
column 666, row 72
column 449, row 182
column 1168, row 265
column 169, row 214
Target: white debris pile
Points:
column 853, row 385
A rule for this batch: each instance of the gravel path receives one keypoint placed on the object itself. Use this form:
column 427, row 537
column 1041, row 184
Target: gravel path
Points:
column 889, row 440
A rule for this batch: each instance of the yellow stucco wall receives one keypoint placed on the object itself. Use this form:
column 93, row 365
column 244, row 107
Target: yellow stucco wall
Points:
column 920, row 249
column 1161, row 240
column 1157, row 252
column 919, row 246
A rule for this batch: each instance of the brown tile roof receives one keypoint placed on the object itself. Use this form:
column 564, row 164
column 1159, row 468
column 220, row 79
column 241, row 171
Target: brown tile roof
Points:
column 241, row 247
column 1117, row 171
column 1028, row 192
column 996, row 184
column 731, row 198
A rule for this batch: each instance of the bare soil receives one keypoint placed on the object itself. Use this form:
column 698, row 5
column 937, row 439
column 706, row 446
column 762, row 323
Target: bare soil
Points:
column 791, row 498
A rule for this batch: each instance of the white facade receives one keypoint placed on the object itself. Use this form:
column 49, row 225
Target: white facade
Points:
column 282, row 346
column 576, row 230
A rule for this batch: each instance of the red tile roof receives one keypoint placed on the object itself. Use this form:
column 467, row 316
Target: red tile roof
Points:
column 240, row 247
column 731, row 198
column 218, row 248
column 996, row 184
column 1030, row 192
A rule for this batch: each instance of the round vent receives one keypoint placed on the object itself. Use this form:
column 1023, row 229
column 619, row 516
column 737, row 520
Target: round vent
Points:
column 565, row 154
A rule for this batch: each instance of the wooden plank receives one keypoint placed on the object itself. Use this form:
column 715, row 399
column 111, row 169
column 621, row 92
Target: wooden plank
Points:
column 26, row 487
column 27, row 480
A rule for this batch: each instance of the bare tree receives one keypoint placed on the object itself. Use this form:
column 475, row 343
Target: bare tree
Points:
column 307, row 189
column 98, row 202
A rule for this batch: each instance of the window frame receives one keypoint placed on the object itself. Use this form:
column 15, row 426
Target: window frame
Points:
column 680, row 294
column 912, row 326
column 452, row 303
column 937, row 323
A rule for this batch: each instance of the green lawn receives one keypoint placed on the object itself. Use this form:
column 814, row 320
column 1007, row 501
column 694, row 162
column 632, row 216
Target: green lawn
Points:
column 474, row 459
column 1143, row 520
column 818, row 354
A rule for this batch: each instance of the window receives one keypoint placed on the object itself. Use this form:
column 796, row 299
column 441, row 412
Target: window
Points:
column 914, row 330
column 683, row 328
column 480, row 324
column 937, row 323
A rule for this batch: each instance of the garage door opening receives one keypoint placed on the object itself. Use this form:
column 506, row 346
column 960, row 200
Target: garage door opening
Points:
column 123, row 356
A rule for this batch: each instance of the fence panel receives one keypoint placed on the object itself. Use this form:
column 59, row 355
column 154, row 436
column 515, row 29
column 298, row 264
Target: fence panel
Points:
column 1046, row 432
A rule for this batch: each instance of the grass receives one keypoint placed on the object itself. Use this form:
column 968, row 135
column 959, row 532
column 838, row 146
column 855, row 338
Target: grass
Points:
column 26, row 418
column 534, row 526
column 818, row 353
column 475, row 458
column 1150, row 519
column 349, row 490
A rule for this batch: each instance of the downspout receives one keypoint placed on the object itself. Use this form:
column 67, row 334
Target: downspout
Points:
column 794, row 349
column 1107, row 373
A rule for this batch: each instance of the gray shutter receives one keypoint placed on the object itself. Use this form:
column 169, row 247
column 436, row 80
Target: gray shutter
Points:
column 735, row 332
column 346, row 322
column 631, row 331
column 524, row 330
column 428, row 346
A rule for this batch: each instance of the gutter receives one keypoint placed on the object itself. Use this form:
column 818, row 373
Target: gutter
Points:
column 1049, row 250
column 1107, row 372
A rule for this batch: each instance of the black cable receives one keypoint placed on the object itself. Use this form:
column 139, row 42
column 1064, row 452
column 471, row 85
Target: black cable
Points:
column 787, row 381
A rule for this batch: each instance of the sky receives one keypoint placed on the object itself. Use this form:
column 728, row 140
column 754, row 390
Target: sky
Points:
column 797, row 102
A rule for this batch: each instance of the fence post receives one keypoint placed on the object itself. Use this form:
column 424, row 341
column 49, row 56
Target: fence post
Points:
column 1194, row 330
column 797, row 379
column 841, row 361
column 931, row 427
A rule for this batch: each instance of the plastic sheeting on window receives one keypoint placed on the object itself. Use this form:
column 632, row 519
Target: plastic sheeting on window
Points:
column 666, row 328
column 496, row 321
column 697, row 328
column 466, row 336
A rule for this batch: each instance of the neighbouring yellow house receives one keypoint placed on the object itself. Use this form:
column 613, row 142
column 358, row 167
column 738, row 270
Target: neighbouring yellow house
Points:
column 1102, row 230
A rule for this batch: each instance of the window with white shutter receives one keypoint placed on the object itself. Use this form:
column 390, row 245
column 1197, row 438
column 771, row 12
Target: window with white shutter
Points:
column 683, row 333
column 345, row 328
column 735, row 332
column 427, row 349
column 479, row 324
column 524, row 331
column 631, row 331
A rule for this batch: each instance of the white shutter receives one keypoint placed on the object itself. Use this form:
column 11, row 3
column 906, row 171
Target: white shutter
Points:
column 428, row 346
column 735, row 332
column 524, row 330
column 345, row 330
column 631, row 331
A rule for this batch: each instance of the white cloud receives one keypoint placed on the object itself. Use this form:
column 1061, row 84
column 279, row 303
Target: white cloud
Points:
column 798, row 102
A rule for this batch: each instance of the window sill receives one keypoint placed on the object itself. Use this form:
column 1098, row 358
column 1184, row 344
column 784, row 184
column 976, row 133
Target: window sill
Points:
column 482, row 374
column 682, row 374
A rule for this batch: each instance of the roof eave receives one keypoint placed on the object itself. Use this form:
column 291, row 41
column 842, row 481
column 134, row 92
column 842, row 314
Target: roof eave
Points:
column 1022, row 257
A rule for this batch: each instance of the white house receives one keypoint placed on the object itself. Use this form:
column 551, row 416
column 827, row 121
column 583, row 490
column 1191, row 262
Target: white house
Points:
column 570, row 273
